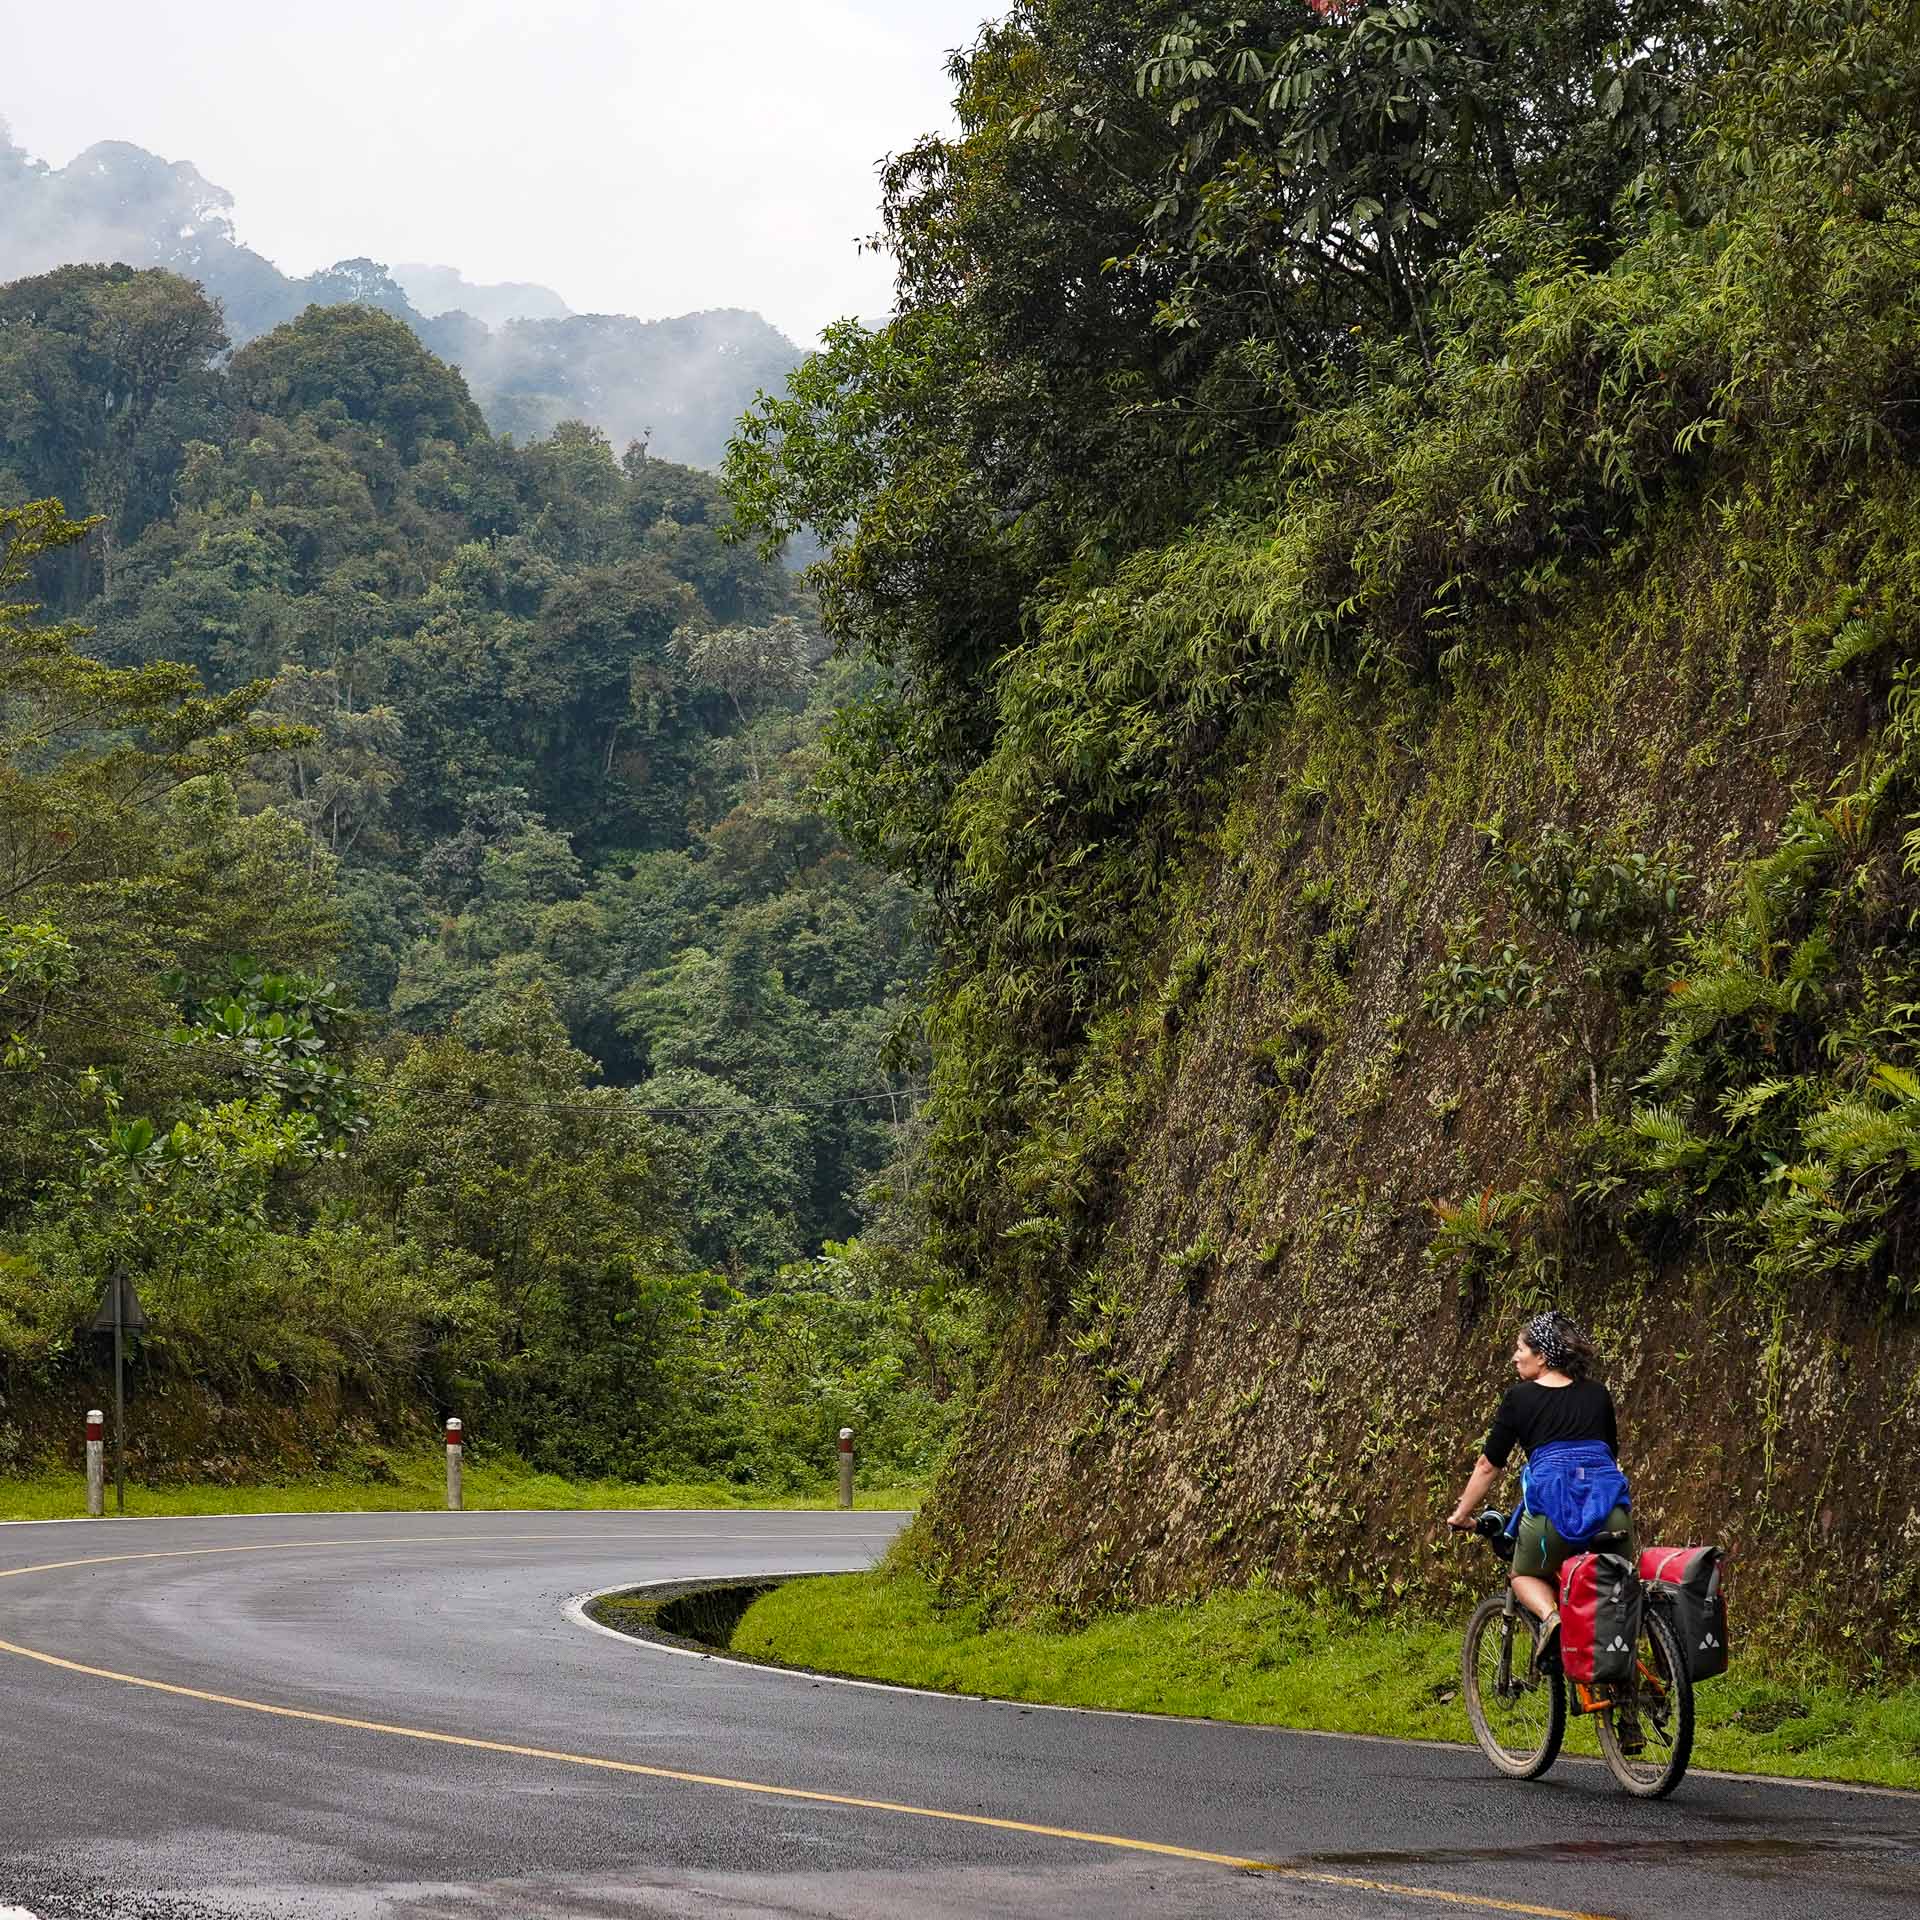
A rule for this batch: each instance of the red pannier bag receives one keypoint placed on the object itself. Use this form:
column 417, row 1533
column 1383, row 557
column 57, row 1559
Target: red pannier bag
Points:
column 1599, row 1617
column 1684, row 1583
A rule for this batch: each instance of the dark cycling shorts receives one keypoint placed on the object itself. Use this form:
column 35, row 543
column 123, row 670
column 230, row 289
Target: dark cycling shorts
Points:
column 1539, row 1550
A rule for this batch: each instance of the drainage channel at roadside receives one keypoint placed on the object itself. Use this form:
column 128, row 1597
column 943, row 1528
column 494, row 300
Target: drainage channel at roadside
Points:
column 697, row 1616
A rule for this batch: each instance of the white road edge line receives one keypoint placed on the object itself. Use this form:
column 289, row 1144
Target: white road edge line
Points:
column 576, row 1611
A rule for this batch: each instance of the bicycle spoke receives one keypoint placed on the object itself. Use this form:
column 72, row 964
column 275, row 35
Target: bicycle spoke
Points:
column 1518, row 1715
column 1659, row 1710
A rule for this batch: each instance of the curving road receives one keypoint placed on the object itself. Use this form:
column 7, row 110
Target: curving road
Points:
column 394, row 1715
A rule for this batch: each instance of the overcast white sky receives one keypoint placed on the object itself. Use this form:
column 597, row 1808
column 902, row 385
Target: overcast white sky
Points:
column 636, row 156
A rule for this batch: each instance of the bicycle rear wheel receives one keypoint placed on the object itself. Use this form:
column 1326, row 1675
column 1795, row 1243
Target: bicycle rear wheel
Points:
column 1659, row 1709
column 1518, row 1716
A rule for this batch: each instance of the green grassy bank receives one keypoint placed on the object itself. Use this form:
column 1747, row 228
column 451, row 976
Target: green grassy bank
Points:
column 1261, row 1656
column 407, row 1484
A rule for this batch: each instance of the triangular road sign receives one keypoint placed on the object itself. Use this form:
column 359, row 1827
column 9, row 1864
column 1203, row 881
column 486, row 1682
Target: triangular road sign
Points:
column 133, row 1316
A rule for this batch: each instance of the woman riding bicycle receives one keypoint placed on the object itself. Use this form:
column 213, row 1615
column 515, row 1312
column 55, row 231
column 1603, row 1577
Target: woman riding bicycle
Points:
column 1572, row 1487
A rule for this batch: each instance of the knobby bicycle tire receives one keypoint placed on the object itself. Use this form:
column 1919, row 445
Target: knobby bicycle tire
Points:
column 1534, row 1717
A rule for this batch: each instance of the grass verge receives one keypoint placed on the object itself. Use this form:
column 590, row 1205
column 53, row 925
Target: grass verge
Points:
column 416, row 1484
column 1261, row 1656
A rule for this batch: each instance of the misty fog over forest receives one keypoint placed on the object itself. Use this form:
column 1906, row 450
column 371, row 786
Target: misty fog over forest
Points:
column 676, row 384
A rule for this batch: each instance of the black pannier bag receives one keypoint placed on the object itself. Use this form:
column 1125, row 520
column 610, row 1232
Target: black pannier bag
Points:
column 1684, row 1583
column 1599, row 1618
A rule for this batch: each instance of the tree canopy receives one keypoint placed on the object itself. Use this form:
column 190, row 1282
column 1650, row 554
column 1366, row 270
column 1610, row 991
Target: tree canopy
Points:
column 422, row 955
column 357, row 363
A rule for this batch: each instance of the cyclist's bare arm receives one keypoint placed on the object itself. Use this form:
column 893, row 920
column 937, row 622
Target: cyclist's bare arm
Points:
column 1479, row 1484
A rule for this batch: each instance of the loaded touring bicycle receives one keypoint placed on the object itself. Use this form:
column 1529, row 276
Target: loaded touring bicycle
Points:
column 1633, row 1640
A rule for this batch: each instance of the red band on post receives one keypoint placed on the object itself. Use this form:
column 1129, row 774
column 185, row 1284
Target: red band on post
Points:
column 453, row 1433
column 96, row 1429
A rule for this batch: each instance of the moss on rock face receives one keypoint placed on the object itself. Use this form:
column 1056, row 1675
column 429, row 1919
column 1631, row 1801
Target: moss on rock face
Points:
column 1289, row 1297
column 1355, row 990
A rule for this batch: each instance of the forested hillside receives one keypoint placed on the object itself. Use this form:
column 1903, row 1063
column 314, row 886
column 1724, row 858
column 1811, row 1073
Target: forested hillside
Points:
column 1387, row 542
column 677, row 383
column 423, row 965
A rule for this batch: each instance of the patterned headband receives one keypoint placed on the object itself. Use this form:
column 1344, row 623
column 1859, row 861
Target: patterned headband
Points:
column 1547, row 1334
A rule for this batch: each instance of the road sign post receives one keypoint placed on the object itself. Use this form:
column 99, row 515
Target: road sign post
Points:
column 119, row 1394
column 455, row 1440
column 96, row 1463
column 119, row 1311
column 846, row 1466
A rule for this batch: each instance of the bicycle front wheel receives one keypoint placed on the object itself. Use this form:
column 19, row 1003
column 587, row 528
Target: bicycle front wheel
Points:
column 1646, row 1736
column 1518, row 1716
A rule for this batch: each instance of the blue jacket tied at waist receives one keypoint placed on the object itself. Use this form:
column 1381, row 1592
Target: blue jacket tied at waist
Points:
column 1576, row 1484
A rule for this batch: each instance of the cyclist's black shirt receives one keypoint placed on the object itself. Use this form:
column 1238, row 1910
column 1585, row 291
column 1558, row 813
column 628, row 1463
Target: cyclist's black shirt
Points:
column 1533, row 1415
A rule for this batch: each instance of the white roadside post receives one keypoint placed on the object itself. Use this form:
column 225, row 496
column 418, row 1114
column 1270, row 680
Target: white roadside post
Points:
column 453, row 1466
column 96, row 1463
column 846, row 1466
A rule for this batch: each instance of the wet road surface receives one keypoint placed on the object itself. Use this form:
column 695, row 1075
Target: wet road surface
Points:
column 393, row 1715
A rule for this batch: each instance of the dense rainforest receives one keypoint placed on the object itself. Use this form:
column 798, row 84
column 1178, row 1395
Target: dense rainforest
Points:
column 1381, row 545
column 423, row 965
column 530, row 364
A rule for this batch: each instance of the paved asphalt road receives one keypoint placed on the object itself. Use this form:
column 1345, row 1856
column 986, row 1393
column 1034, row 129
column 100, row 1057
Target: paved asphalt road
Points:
column 375, row 1630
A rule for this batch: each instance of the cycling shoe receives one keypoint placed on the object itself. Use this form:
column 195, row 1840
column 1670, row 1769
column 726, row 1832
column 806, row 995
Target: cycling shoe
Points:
column 1546, row 1656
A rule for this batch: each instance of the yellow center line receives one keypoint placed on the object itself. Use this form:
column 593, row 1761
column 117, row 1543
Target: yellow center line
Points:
column 1481, row 1903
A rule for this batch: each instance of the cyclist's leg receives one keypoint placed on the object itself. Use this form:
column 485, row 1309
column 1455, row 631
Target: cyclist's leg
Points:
column 1538, row 1552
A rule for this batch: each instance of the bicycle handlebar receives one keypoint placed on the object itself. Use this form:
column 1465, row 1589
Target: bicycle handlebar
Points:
column 1490, row 1525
